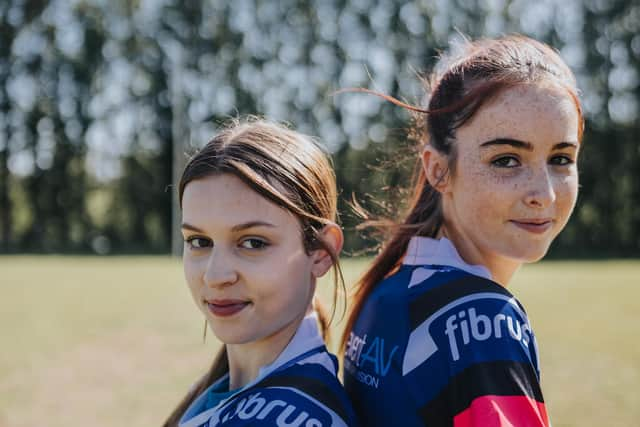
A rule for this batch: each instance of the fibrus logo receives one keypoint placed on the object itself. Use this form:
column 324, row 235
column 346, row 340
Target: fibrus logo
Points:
column 370, row 356
column 480, row 328
column 256, row 407
column 422, row 344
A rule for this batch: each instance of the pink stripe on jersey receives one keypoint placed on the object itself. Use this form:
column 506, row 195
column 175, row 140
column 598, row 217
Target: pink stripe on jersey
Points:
column 503, row 411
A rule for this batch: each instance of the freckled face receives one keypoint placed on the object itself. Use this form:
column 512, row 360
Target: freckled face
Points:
column 244, row 260
column 516, row 179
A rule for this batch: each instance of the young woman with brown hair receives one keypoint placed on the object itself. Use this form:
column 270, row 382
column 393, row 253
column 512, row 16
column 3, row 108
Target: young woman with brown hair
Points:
column 434, row 337
column 259, row 210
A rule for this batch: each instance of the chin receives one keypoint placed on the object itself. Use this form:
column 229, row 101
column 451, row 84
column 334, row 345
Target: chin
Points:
column 234, row 340
column 532, row 256
column 229, row 337
column 527, row 253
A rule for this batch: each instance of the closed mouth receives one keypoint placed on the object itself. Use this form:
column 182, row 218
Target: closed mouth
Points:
column 534, row 225
column 226, row 307
column 536, row 221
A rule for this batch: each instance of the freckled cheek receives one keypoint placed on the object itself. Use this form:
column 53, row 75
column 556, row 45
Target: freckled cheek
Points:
column 481, row 181
column 483, row 196
column 567, row 192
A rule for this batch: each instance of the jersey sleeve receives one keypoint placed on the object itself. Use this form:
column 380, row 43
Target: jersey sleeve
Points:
column 489, row 394
column 474, row 345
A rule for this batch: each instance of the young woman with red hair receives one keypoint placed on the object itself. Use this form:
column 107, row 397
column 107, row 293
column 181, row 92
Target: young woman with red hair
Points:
column 435, row 338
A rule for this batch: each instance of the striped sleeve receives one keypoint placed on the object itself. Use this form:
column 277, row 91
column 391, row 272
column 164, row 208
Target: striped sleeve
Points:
column 490, row 394
column 473, row 343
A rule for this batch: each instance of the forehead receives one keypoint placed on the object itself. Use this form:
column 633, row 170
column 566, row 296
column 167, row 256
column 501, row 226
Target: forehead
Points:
column 529, row 113
column 225, row 200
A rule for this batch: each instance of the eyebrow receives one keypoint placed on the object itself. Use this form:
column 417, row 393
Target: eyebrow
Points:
column 251, row 224
column 235, row 228
column 525, row 145
column 562, row 145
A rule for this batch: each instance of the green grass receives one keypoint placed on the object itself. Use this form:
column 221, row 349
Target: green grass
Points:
column 117, row 341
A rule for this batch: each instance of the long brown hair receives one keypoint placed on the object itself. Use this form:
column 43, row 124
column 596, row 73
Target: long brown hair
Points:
column 290, row 170
column 459, row 86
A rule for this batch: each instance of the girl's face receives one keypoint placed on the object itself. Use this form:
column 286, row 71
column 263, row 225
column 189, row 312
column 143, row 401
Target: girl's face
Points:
column 516, row 179
column 244, row 261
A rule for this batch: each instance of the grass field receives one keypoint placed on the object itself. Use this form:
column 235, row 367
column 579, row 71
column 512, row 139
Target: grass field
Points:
column 117, row 341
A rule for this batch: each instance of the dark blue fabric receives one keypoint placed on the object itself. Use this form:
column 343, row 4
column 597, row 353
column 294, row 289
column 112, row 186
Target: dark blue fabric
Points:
column 459, row 322
column 296, row 394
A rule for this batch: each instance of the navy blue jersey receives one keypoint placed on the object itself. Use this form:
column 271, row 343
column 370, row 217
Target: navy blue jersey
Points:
column 299, row 389
column 435, row 345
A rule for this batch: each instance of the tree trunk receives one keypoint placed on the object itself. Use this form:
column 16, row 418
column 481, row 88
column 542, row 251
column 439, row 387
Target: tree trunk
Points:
column 5, row 200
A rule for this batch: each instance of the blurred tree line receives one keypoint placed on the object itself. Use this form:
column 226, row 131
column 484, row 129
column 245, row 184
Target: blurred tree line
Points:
column 96, row 97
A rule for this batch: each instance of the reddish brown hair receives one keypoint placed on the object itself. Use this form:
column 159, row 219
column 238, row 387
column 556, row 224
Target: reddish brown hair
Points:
column 461, row 83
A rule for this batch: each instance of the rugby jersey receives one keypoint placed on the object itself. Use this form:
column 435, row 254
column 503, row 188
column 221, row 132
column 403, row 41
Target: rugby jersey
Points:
column 300, row 388
column 438, row 343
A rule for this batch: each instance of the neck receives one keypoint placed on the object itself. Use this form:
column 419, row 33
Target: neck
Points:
column 502, row 269
column 245, row 360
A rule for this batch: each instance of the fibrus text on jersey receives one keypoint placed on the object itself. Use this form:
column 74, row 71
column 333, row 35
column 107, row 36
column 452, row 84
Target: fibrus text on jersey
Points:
column 481, row 327
column 259, row 408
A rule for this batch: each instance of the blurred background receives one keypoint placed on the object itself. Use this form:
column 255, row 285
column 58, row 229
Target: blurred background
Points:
column 100, row 101
column 100, row 98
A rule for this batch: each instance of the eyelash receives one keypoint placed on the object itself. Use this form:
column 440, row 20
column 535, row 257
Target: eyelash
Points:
column 262, row 244
column 192, row 242
column 567, row 160
column 499, row 162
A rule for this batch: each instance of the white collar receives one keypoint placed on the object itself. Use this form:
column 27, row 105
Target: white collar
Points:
column 306, row 338
column 428, row 251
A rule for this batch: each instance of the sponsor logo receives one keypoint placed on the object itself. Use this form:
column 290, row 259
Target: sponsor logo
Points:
column 373, row 356
column 469, row 325
column 257, row 407
column 466, row 325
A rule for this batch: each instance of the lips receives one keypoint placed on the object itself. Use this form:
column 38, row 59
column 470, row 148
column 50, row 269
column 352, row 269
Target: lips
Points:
column 226, row 307
column 536, row 225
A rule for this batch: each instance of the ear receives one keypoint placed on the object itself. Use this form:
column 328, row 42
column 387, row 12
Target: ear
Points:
column 436, row 169
column 332, row 235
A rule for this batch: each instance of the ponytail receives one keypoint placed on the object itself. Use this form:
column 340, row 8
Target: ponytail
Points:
column 219, row 367
column 424, row 219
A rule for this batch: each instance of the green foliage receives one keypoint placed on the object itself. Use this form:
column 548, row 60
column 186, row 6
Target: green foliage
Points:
column 96, row 98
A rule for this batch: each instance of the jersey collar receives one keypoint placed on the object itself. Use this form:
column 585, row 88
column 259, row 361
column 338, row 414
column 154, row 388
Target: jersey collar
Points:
column 428, row 251
column 306, row 338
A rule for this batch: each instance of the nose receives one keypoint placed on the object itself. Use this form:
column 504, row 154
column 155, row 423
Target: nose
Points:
column 219, row 271
column 540, row 194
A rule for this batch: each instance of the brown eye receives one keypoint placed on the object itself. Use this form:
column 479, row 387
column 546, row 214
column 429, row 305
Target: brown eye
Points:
column 253, row 243
column 506, row 162
column 561, row 160
column 198, row 242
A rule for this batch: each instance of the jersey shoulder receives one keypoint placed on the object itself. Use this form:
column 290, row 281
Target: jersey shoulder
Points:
column 466, row 319
column 307, row 393
column 472, row 339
